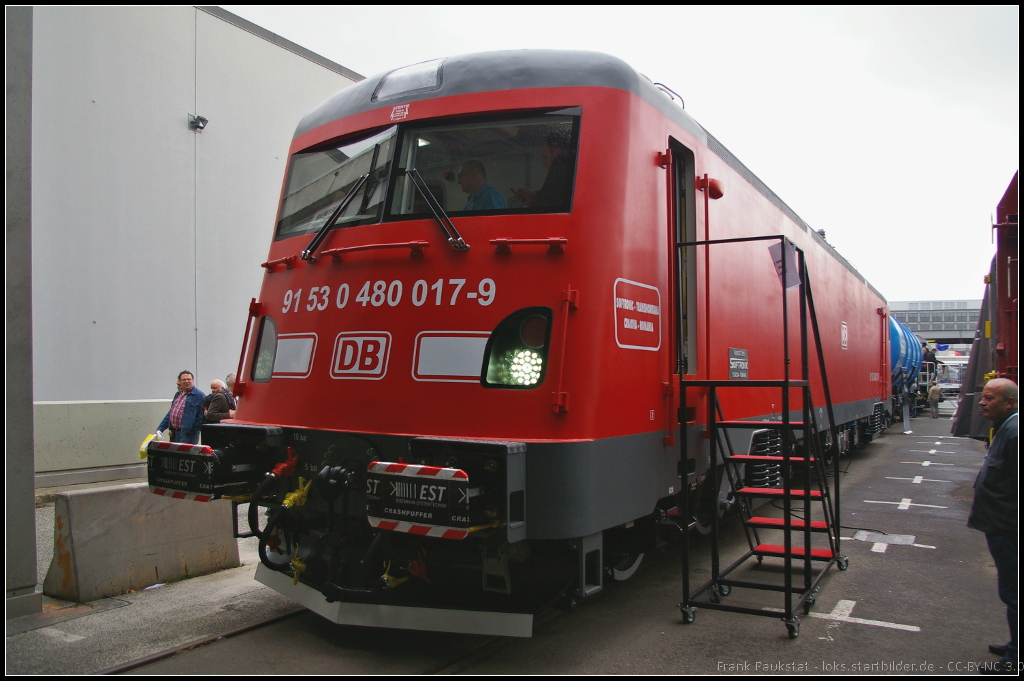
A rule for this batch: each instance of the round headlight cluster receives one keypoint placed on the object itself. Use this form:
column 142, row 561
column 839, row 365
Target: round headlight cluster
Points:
column 525, row 367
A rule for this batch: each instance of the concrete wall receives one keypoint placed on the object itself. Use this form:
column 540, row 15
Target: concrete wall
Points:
column 147, row 236
column 109, row 540
column 84, row 436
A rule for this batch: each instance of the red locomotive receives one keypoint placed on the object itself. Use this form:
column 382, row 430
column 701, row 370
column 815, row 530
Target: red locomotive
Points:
column 465, row 362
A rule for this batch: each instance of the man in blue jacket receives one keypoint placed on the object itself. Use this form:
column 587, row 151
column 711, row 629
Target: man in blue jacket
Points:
column 995, row 508
column 186, row 413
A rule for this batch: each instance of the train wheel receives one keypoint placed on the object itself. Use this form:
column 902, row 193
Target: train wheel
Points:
column 826, row 448
column 706, row 504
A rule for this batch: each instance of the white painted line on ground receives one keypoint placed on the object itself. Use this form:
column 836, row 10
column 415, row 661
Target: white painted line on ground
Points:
column 903, row 504
column 57, row 634
column 917, row 479
column 879, row 547
column 929, row 463
column 841, row 613
column 923, row 546
column 930, row 451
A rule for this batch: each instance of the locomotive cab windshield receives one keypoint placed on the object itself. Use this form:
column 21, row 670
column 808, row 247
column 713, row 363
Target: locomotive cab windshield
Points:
column 496, row 166
column 506, row 165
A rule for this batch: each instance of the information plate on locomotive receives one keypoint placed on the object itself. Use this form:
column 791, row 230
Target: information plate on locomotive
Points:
column 425, row 500
column 182, row 467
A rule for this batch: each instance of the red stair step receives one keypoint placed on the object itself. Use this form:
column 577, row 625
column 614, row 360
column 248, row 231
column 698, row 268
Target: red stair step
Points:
column 777, row 492
column 755, row 458
column 796, row 552
column 778, row 523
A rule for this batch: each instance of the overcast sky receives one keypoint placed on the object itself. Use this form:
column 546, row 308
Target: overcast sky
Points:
column 893, row 129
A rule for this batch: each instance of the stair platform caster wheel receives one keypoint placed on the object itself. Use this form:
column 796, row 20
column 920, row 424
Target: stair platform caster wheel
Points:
column 809, row 603
column 714, row 595
column 569, row 603
column 724, row 589
column 689, row 613
column 842, row 562
column 793, row 627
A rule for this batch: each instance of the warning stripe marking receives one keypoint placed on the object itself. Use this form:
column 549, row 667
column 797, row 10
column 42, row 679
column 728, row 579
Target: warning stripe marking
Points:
column 181, row 448
column 414, row 470
column 178, row 494
column 418, row 529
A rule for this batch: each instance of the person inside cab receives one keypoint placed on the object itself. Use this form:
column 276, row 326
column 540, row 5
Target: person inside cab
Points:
column 482, row 196
column 557, row 160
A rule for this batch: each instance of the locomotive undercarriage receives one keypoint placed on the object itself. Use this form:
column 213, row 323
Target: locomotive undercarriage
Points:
column 309, row 492
column 310, row 499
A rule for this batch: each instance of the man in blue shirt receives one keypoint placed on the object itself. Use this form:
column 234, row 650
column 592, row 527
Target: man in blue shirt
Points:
column 482, row 196
column 186, row 414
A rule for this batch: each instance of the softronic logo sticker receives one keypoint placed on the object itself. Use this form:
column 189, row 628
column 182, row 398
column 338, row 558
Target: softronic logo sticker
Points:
column 739, row 361
column 637, row 315
column 361, row 354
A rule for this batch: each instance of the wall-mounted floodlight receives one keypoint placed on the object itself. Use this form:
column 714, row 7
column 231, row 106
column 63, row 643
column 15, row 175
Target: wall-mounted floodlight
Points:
column 197, row 123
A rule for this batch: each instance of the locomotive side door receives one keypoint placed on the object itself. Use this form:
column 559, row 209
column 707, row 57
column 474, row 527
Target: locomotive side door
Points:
column 682, row 346
column 684, row 269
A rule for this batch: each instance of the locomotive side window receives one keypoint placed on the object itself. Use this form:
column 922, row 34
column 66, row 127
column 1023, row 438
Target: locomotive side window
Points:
column 266, row 351
column 509, row 165
column 318, row 181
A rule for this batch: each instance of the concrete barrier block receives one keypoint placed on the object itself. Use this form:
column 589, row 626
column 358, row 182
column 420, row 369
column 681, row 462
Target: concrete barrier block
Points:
column 112, row 539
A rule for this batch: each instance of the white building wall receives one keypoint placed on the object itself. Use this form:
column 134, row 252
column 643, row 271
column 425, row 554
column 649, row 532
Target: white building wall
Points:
column 147, row 237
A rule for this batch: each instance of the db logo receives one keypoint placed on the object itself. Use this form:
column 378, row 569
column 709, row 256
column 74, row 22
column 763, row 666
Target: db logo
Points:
column 361, row 354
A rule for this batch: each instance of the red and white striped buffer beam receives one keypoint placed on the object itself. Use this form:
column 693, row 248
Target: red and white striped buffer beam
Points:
column 181, row 471
column 429, row 501
column 181, row 448
column 178, row 494
column 416, row 470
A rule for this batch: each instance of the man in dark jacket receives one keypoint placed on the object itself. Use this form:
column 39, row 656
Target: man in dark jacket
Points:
column 186, row 413
column 994, row 511
column 219, row 404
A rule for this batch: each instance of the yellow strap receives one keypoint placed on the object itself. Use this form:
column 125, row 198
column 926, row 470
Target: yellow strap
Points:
column 391, row 581
column 298, row 567
column 298, row 497
column 144, row 449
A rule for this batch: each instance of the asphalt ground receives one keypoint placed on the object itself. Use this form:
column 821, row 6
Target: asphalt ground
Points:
column 909, row 604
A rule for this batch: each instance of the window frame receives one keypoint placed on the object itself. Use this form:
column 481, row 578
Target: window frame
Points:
column 334, row 144
column 384, row 214
column 575, row 111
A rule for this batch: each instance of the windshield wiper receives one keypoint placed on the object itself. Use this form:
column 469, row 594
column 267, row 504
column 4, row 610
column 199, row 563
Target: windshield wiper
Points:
column 454, row 238
column 307, row 254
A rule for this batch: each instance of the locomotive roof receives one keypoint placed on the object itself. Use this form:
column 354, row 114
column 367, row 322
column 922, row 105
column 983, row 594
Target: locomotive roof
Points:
column 522, row 69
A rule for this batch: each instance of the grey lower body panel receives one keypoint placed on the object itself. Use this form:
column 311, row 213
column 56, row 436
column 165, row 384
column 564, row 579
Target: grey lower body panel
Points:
column 575, row 489
column 398, row 616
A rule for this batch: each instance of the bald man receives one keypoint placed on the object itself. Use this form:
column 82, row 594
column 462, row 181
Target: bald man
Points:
column 994, row 511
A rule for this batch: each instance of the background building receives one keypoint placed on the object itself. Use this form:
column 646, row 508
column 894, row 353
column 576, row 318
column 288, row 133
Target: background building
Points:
column 941, row 321
column 148, row 232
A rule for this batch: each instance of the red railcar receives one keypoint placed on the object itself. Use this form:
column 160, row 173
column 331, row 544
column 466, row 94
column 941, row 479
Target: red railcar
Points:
column 473, row 328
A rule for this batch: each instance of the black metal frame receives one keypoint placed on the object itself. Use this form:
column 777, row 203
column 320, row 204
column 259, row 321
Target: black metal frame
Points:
column 811, row 450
